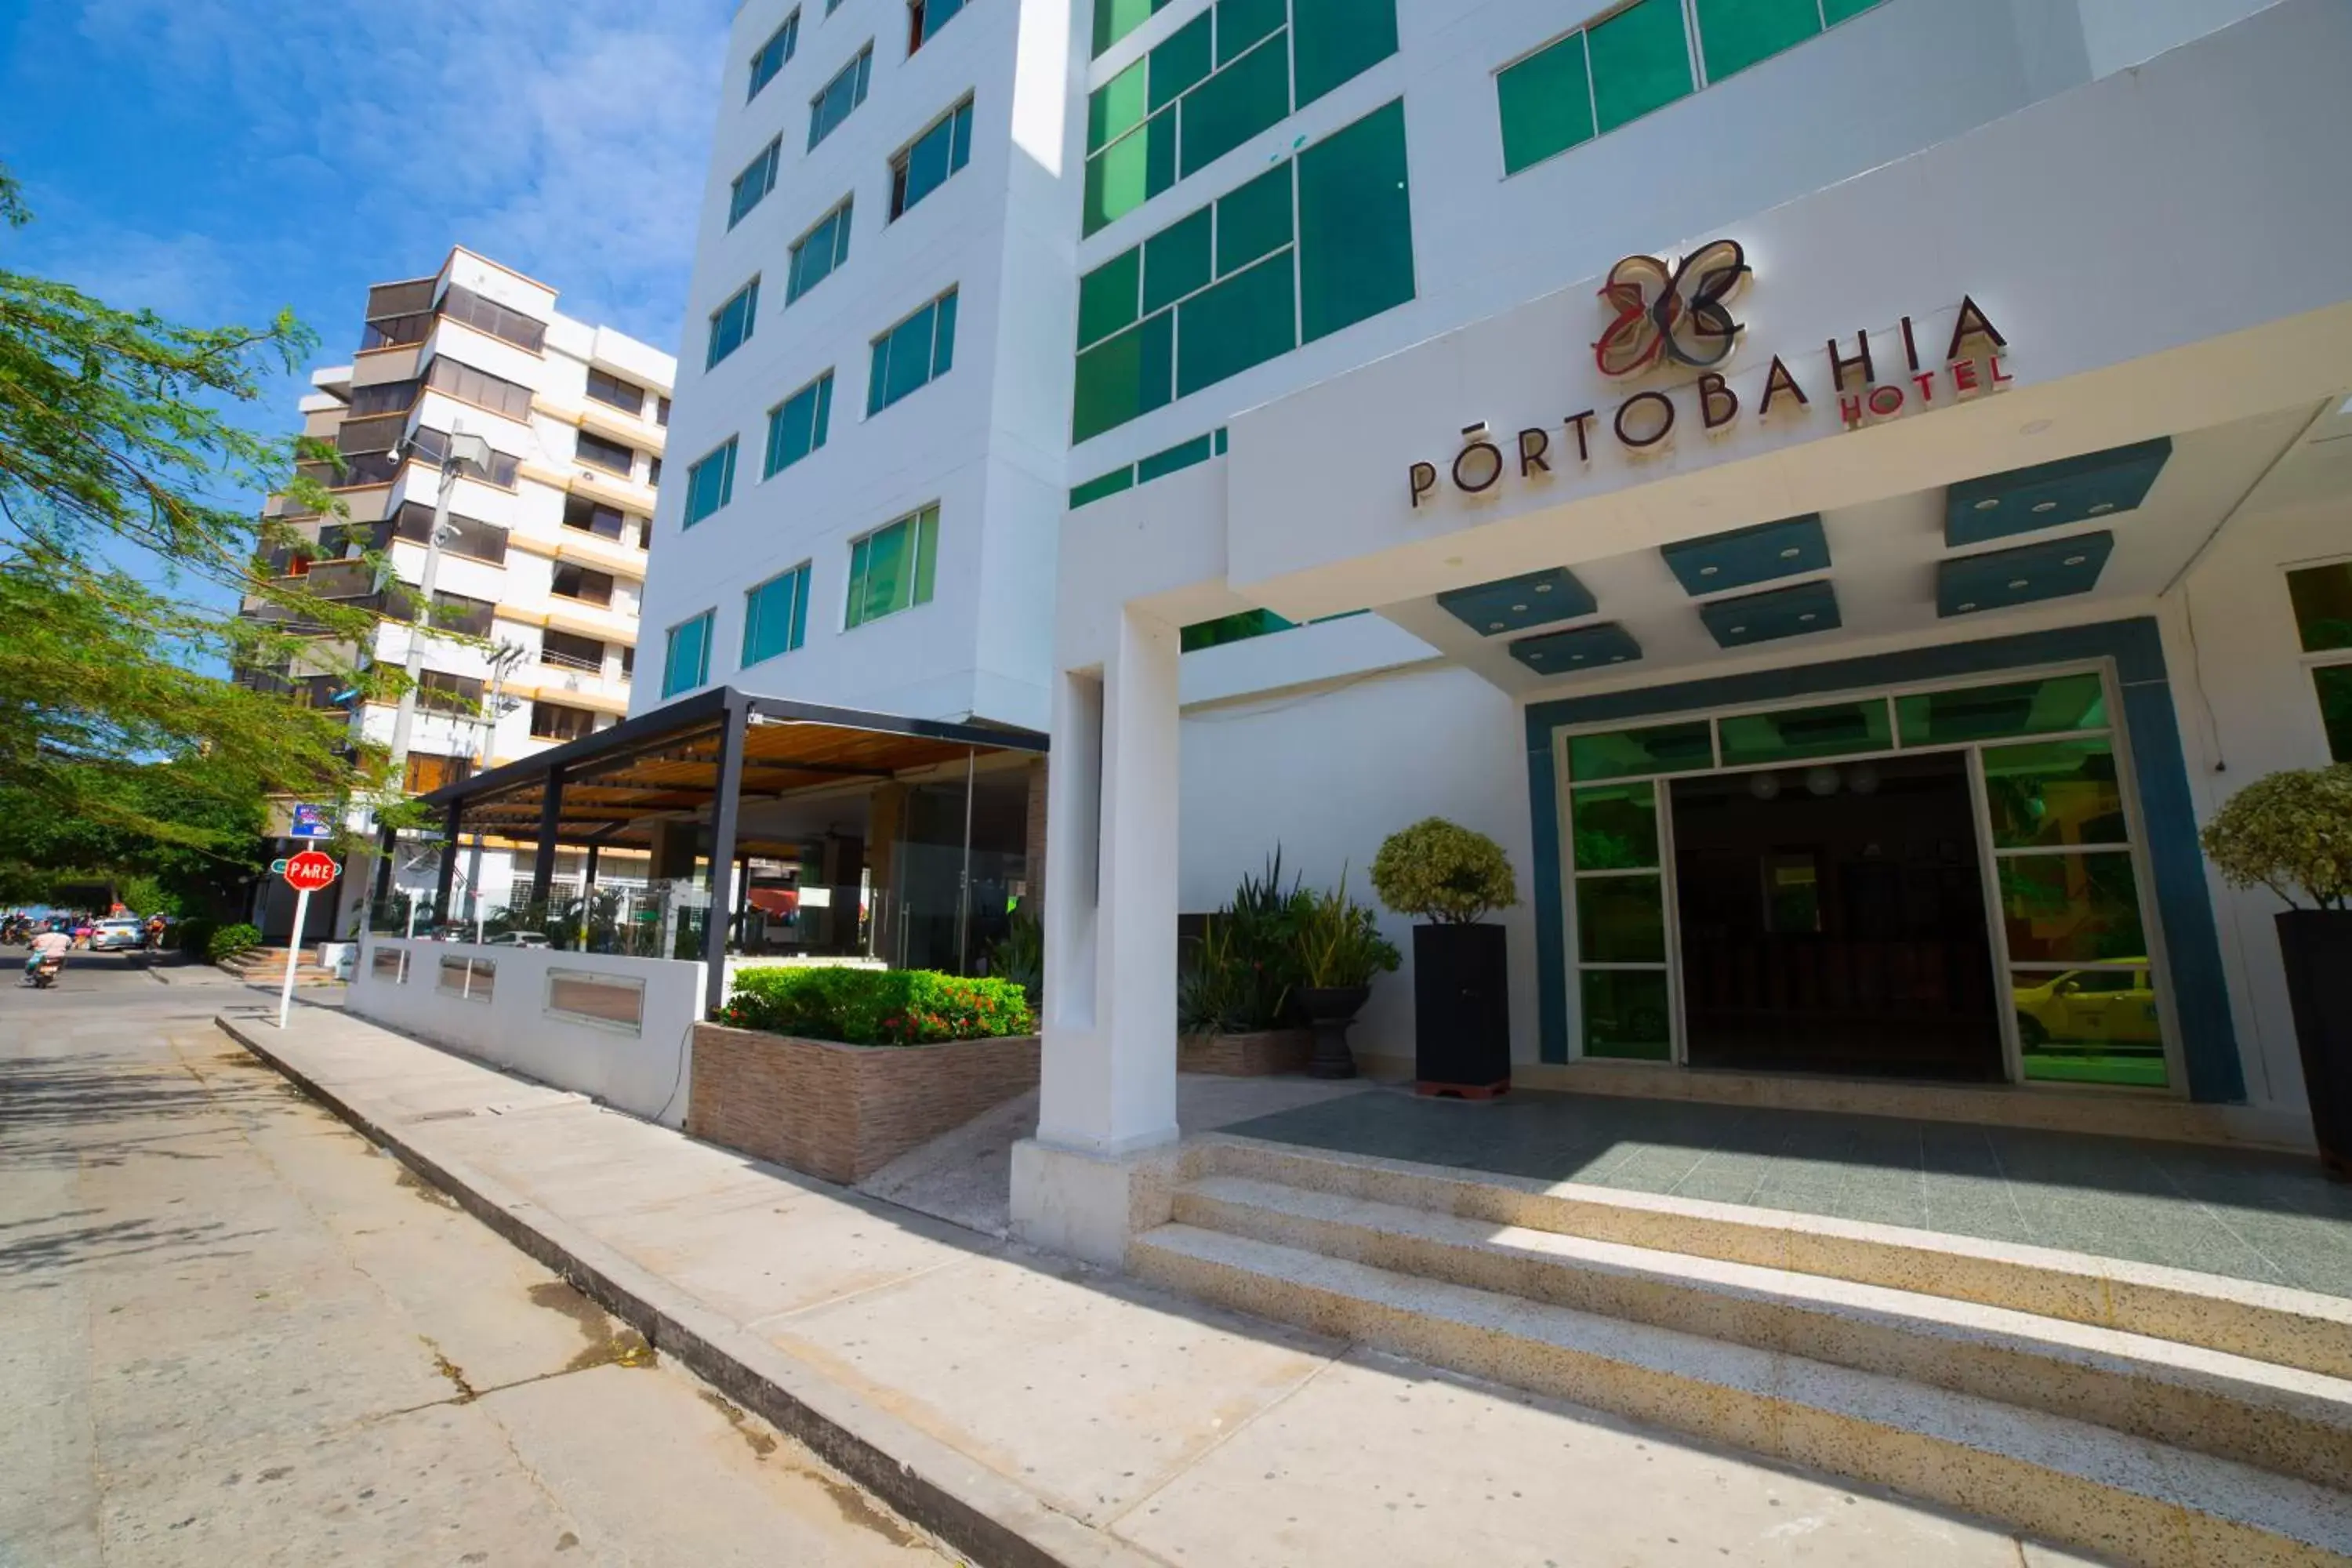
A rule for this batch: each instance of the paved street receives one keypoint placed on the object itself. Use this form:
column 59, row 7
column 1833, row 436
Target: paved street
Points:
column 237, row 1334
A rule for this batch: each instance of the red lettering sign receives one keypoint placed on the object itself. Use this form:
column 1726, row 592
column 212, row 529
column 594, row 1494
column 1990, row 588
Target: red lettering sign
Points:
column 309, row 871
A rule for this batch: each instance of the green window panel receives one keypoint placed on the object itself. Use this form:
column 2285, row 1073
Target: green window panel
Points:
column 1241, row 23
column 1117, row 106
column 1183, row 454
column 1338, row 40
column 1620, row 919
column 912, row 354
column 2071, row 909
column 797, row 425
column 1245, row 97
column 2089, row 1025
column 2322, row 600
column 1245, row 321
column 1545, row 102
column 1736, row 34
column 686, row 657
column 1253, row 220
column 2050, row 707
column 816, row 254
column 936, row 154
column 1220, row 433
column 1239, row 626
column 731, row 323
column 1616, row 826
column 893, row 568
column 772, row 55
column 1836, row 10
column 1106, row 296
column 928, row 16
column 1641, row 61
column 842, row 95
column 1626, row 1015
column 1124, row 376
column 1355, row 223
column 775, row 615
column 2054, row 795
column 711, row 483
column 1182, row 61
column 752, row 185
column 1176, row 261
column 2334, row 684
column 1115, row 19
column 1654, row 749
column 1796, row 734
column 1101, row 487
column 1131, row 171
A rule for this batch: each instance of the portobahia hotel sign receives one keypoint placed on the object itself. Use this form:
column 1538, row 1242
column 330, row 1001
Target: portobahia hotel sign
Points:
column 1665, row 321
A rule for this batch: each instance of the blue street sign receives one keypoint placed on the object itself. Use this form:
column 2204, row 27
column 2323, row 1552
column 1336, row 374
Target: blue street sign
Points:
column 310, row 822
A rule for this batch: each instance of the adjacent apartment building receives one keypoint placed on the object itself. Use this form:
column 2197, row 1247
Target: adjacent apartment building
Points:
column 543, row 568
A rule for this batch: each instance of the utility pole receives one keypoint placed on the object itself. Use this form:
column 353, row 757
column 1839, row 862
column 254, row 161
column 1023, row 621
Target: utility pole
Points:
column 504, row 658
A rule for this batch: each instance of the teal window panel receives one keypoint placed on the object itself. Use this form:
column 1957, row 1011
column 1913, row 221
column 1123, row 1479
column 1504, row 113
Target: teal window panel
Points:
column 1338, row 40
column 1101, row 487
column 770, row 57
column 1545, row 102
column 912, row 354
column 1183, row 454
column 1116, row 107
column 1836, row 10
column 711, row 483
column 1640, row 60
column 686, row 656
column 842, row 95
column 752, row 185
column 893, row 568
column 818, row 253
column 1131, row 171
column 1176, row 261
column 1736, row 34
column 1124, row 376
column 928, row 16
column 731, row 323
column 1239, row 626
column 797, row 425
column 943, row 335
column 1245, row 321
column 1220, row 433
column 1253, row 220
column 1355, row 223
column 1241, row 23
column 928, row 162
column 1115, row 19
column 1182, row 61
column 1245, row 97
column 1107, row 295
column 775, row 615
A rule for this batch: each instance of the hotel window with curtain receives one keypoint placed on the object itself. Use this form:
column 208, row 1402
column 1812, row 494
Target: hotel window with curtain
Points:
column 912, row 354
column 2322, row 600
column 686, row 662
column 892, row 569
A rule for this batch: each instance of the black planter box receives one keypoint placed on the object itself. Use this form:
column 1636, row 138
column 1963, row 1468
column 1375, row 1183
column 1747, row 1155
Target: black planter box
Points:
column 1461, row 1010
column 2317, row 945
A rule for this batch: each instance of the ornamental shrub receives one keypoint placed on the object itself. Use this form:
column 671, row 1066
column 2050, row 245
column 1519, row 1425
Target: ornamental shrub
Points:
column 231, row 942
column 876, row 1007
column 1444, row 872
column 194, row 935
column 2290, row 831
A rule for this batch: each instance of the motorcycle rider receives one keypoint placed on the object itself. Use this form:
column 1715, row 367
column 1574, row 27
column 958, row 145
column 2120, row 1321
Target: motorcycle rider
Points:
column 48, row 944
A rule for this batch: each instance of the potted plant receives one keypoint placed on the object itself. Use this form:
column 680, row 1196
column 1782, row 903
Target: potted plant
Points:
column 2292, row 833
column 1339, row 948
column 1450, row 879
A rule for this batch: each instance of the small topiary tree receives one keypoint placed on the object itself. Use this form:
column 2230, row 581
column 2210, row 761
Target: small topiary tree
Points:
column 1442, row 871
column 2292, row 830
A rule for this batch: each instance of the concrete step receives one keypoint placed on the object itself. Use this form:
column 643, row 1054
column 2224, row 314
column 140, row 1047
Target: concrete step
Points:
column 2278, row 1418
column 2298, row 1329
column 268, row 963
column 2072, row 1482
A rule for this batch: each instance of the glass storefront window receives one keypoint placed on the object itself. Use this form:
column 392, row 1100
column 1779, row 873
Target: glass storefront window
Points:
column 1616, row 826
column 2054, row 793
column 1793, row 734
column 2062, row 703
column 1624, row 754
column 2322, row 596
column 1625, row 1015
column 2089, row 1025
column 2072, row 908
column 1620, row 919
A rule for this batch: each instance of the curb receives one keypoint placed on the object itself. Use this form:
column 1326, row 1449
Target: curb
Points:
column 981, row 1515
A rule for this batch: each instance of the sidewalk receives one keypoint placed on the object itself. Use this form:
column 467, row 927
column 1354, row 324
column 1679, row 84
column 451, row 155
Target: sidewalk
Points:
column 1030, row 1411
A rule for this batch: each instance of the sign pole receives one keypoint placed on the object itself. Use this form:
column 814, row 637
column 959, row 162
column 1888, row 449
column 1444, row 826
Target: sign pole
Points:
column 293, row 954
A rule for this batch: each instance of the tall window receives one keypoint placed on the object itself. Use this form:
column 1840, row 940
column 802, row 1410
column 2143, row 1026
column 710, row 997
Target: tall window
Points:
column 686, row 662
column 930, row 158
column 609, row 455
column 796, row 427
column 816, row 254
column 912, row 354
column 731, row 323
column 770, row 57
column 775, row 615
column 2322, row 597
column 891, row 568
column 844, row 93
column 711, row 483
column 752, row 185
column 926, row 17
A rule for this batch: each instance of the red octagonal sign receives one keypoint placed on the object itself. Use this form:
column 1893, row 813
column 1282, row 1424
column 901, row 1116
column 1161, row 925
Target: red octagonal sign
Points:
column 309, row 871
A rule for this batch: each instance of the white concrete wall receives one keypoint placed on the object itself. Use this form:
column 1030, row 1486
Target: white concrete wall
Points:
column 642, row 1072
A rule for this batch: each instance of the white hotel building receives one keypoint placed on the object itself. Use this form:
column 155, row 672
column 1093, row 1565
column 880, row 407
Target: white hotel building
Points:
column 1220, row 386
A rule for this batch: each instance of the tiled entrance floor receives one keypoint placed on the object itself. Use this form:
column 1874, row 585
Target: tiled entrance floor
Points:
column 2255, row 1216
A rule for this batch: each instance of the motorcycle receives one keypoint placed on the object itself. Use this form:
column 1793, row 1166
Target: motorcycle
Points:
column 45, row 972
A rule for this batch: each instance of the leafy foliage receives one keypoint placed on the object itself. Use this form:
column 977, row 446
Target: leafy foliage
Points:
column 1019, row 955
column 1338, row 942
column 195, row 934
column 2290, row 831
column 190, row 828
column 1444, row 872
column 231, row 942
column 1237, row 976
column 876, row 1007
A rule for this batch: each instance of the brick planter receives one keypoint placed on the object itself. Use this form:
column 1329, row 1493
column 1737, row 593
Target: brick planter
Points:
column 843, row 1112
column 1259, row 1055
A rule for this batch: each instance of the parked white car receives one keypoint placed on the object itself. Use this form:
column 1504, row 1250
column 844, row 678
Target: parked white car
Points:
column 124, row 934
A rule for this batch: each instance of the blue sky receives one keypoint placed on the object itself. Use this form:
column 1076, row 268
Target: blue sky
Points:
column 216, row 160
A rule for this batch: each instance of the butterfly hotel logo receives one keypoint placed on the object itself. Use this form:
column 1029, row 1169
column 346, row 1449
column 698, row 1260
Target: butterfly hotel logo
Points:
column 1672, row 328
